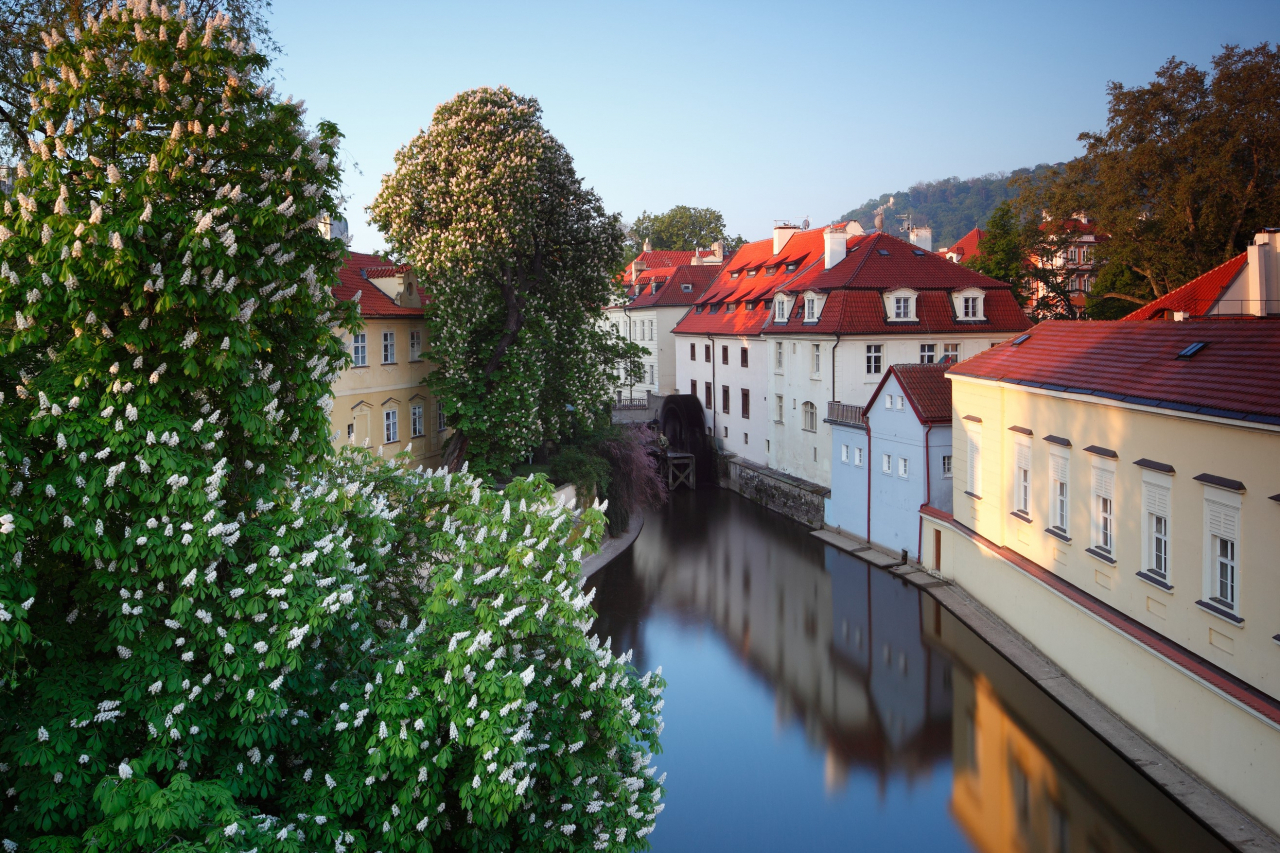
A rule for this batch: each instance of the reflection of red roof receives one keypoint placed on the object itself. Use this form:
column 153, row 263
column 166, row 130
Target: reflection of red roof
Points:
column 926, row 386
column 966, row 247
column 1232, row 376
column 1195, row 297
column 373, row 302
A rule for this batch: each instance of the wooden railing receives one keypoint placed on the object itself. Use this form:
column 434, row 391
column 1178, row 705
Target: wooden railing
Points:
column 844, row 413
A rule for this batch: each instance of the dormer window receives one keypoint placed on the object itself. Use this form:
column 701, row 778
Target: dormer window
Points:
column 900, row 305
column 735, row 273
column 793, row 266
column 687, row 288
column 728, row 309
column 770, row 270
column 810, row 309
column 969, row 304
column 751, row 273
column 780, row 310
column 653, row 289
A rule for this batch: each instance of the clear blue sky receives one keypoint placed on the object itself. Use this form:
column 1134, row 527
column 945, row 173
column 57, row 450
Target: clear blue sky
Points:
column 761, row 110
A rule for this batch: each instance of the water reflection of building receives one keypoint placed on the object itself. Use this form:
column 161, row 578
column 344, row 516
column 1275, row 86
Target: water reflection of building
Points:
column 839, row 643
column 1028, row 777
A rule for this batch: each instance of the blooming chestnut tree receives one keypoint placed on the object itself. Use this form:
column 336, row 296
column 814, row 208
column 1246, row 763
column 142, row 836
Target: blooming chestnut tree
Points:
column 215, row 634
column 514, row 256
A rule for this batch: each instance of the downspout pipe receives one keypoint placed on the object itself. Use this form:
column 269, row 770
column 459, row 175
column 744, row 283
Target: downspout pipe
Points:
column 928, row 499
column 714, row 426
column 833, row 367
column 867, row 424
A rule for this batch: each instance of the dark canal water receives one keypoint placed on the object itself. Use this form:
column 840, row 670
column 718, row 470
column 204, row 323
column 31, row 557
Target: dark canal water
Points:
column 817, row 703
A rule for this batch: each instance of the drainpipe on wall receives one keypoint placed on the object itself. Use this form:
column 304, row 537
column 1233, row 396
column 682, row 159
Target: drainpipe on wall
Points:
column 867, row 424
column 928, row 483
column 714, row 427
column 833, row 368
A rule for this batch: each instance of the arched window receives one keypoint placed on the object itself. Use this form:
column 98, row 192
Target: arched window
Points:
column 810, row 412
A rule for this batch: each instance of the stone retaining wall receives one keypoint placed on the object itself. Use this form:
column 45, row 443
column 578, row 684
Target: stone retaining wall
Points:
column 795, row 498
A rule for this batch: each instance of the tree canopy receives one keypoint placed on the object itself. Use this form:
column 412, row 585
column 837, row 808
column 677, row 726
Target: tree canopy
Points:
column 515, row 257
column 1021, row 250
column 22, row 22
column 682, row 228
column 217, row 635
column 1185, row 173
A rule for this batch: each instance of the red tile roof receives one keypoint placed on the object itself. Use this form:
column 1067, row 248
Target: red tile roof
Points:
column 661, row 260
column 927, row 388
column 874, row 263
column 387, row 271
column 966, row 247
column 373, row 302
column 1195, row 297
column 1232, row 376
column 737, row 322
column 671, row 284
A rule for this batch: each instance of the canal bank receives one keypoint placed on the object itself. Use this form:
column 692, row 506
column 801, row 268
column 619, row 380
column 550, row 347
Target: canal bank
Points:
column 816, row 700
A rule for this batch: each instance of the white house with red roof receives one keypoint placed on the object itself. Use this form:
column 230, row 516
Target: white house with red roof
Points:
column 1246, row 285
column 966, row 248
column 659, row 287
column 380, row 401
column 819, row 316
column 1116, row 500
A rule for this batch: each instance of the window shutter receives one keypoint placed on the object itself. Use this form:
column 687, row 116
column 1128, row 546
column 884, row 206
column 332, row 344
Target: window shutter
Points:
column 1023, row 457
column 1222, row 520
column 1104, row 483
column 973, row 468
column 1155, row 499
column 1059, row 469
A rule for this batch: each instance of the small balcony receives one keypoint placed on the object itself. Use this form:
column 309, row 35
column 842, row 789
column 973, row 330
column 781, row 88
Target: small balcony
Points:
column 845, row 413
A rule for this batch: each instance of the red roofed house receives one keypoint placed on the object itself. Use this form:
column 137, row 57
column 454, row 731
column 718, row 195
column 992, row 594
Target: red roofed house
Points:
column 1246, row 285
column 795, row 326
column 1075, row 261
column 965, row 248
column 380, row 401
column 660, row 287
column 1116, row 500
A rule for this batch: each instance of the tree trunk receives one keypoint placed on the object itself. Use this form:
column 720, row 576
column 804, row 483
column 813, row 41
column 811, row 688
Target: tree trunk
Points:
column 1126, row 297
column 456, row 451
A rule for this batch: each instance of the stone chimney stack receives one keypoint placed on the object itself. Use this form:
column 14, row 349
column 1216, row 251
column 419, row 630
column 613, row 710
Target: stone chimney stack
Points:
column 696, row 260
column 648, row 247
column 833, row 244
column 1262, row 274
column 781, row 234
column 922, row 238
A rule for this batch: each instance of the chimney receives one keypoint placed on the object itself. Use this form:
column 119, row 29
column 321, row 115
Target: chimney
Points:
column 717, row 253
column 833, row 242
column 922, row 238
column 648, row 247
column 1262, row 275
column 781, row 234
column 854, row 228
column 696, row 260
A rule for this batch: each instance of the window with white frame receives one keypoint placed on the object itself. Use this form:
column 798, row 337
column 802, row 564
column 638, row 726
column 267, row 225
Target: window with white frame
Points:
column 899, row 401
column 780, row 310
column 388, row 347
column 946, row 466
column 810, row 308
column 975, row 461
column 359, row 349
column 886, row 463
column 951, row 353
column 777, row 355
column 844, row 453
column 875, row 359
column 416, row 425
column 1103, row 499
column 857, row 456
column 1022, row 478
column 971, row 307
column 777, row 399
column 810, row 412
column 902, row 307
column 415, row 344
column 440, row 421
column 888, row 401
column 903, row 467
column 928, row 353
column 1223, row 522
column 817, row 359
column 391, row 425
column 1155, row 506
column 1060, row 496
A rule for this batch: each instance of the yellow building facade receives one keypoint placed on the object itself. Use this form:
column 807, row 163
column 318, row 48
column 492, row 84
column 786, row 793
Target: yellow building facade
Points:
column 1117, row 501
column 380, row 401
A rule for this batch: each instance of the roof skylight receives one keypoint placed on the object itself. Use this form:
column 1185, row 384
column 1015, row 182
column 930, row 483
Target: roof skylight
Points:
column 1021, row 339
column 1192, row 349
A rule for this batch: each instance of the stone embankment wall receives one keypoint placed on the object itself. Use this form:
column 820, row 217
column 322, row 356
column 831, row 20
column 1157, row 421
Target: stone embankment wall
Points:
column 797, row 499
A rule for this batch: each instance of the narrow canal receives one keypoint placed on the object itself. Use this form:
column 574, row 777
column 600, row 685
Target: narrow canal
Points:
column 817, row 703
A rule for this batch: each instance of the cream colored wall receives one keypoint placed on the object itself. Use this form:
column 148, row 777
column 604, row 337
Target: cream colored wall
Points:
column 1229, row 746
column 1192, row 447
column 362, row 394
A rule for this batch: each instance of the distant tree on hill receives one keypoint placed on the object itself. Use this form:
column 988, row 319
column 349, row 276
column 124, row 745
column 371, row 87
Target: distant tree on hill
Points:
column 952, row 207
column 682, row 228
column 1186, row 171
